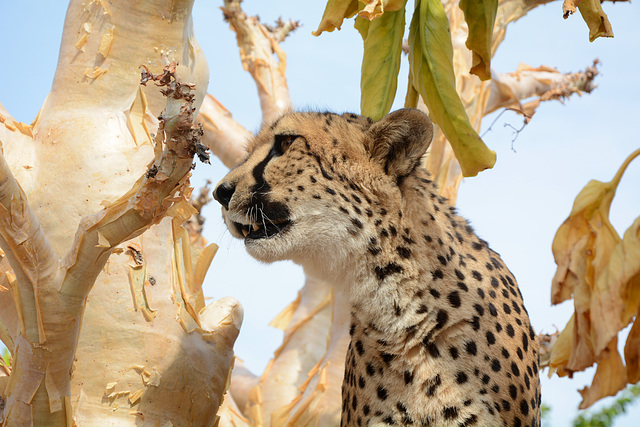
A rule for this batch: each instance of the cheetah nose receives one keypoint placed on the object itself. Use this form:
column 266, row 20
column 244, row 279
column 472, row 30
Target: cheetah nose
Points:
column 223, row 193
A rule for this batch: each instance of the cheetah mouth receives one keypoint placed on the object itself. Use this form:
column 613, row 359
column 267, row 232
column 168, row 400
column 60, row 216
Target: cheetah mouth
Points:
column 266, row 230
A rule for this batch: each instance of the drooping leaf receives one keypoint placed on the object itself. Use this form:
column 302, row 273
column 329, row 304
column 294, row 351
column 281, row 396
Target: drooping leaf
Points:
column 334, row 13
column 610, row 377
column 602, row 273
column 381, row 64
column 374, row 9
column 431, row 65
column 362, row 25
column 596, row 19
column 480, row 16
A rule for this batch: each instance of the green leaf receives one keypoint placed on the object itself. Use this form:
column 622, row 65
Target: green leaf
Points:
column 431, row 67
column 381, row 64
column 596, row 19
column 362, row 25
column 480, row 16
column 334, row 13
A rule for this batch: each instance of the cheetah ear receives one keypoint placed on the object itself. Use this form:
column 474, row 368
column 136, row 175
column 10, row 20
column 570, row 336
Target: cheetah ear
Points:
column 399, row 140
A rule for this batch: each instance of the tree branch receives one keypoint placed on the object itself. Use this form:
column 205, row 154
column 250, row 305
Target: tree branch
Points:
column 258, row 44
column 224, row 136
column 510, row 89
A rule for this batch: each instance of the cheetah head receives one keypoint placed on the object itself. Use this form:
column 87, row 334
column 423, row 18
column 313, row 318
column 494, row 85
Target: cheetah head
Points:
column 314, row 184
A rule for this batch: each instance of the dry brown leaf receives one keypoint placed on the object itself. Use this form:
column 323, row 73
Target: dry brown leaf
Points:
column 602, row 273
column 610, row 377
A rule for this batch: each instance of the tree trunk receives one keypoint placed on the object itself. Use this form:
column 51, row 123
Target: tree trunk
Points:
column 141, row 346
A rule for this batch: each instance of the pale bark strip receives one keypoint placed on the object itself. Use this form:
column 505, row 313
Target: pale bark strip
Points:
column 258, row 43
column 225, row 137
column 508, row 90
column 50, row 320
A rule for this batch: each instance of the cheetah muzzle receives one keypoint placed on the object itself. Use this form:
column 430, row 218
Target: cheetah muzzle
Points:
column 439, row 332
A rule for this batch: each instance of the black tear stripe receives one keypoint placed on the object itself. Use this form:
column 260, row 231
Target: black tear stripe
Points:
column 261, row 184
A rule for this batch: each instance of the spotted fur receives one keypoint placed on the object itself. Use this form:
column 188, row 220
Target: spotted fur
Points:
column 439, row 332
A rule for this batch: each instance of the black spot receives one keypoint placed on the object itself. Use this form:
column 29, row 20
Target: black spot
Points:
column 388, row 420
column 403, row 252
column 437, row 274
column 330, row 191
column 408, row 377
column 352, row 329
column 382, row 393
column 480, row 293
column 442, row 260
column 459, row 274
column 492, row 293
column 354, row 402
column 434, row 293
column 356, row 222
column 432, row 385
column 514, row 369
column 513, row 391
column 506, row 405
column 370, row 370
column 506, row 308
column 453, row 351
column 428, row 238
column 431, row 347
column 491, row 339
column 516, row 308
column 461, row 377
column 495, row 388
column 441, row 319
column 519, row 353
column 476, row 275
column 450, row 413
column 391, row 268
column 475, row 323
column 494, row 282
column 495, row 365
column 393, row 230
column 454, row 299
column 479, row 309
column 343, row 210
column 366, row 410
column 492, row 310
column 387, row 358
column 470, row 421
column 462, row 286
column 374, row 250
column 470, row 347
column 361, row 382
column 422, row 309
column 359, row 348
column 485, row 379
column 510, row 331
column 525, row 342
column 505, row 353
column 524, row 407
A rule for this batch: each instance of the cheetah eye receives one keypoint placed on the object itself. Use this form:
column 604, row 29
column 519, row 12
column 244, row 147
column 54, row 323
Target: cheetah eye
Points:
column 283, row 142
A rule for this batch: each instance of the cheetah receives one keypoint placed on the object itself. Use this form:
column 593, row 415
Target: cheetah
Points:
column 439, row 332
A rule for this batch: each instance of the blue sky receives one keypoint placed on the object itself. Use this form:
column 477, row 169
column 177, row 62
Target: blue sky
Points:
column 517, row 206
